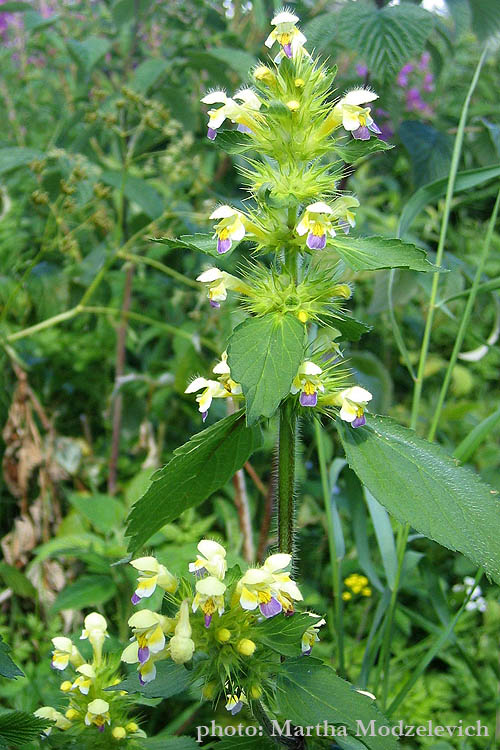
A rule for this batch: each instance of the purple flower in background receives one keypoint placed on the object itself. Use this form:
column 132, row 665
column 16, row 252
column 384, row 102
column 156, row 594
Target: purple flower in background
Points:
column 424, row 60
column 361, row 70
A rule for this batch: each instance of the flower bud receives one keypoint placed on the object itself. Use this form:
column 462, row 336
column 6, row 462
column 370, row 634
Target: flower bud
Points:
column 293, row 105
column 119, row 733
column 132, row 726
column 255, row 692
column 223, row 635
column 181, row 645
column 65, row 686
column 71, row 713
column 342, row 290
column 246, row 647
column 209, row 690
column 263, row 73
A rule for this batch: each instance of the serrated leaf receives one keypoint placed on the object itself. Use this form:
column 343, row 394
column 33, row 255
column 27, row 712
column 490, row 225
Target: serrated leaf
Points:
column 309, row 693
column 198, row 468
column 350, row 328
column 419, row 483
column 374, row 253
column 88, row 591
column 264, row 355
column 171, row 679
column 321, row 31
column 283, row 634
column 18, row 727
column 233, row 142
column 429, row 150
column 354, row 150
column 7, row 667
column 384, row 38
column 201, row 243
column 17, row 156
column 435, row 190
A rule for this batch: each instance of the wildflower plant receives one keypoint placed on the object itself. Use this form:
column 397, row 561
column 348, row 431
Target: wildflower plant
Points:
column 246, row 636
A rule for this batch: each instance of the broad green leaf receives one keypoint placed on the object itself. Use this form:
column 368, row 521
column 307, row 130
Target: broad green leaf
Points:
column 350, row 328
column 137, row 191
column 198, row 468
column 202, row 243
column 321, row 31
column 385, row 39
column 87, row 591
column 88, row 53
column 429, row 150
column 485, row 17
column 264, row 355
column 18, row 727
column 7, row 667
column 353, row 150
column 170, row 679
column 104, row 512
column 236, row 59
column 372, row 253
column 17, row 156
column 419, row 483
column 283, row 634
column 473, row 440
column 147, row 74
column 309, row 693
column 17, row 581
column 432, row 192
column 34, row 21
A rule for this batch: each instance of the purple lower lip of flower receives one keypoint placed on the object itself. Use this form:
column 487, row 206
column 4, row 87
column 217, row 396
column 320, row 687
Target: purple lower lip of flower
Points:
column 101, row 728
column 141, row 680
column 200, row 572
column 307, row 651
column 287, row 49
column 271, row 608
column 223, row 245
column 236, row 708
column 135, row 599
column 308, row 399
column 343, row 224
column 362, row 133
column 208, row 620
column 215, row 304
column 211, row 134
column 204, row 415
column 143, row 654
column 359, row 421
column 316, row 241
column 374, row 128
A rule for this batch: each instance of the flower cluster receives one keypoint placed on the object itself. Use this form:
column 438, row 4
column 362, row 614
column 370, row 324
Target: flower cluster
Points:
column 90, row 706
column 415, row 78
column 358, row 585
column 476, row 602
column 217, row 615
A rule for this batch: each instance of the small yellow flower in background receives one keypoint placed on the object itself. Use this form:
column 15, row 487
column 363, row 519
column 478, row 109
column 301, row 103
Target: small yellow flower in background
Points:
column 152, row 574
column 308, row 382
column 317, row 224
column 358, row 585
column 98, row 714
column 84, row 680
column 96, row 630
column 229, row 228
column 132, row 726
column 65, row 652
column 352, row 402
column 347, row 596
column 212, row 559
column 181, row 645
column 235, row 702
column 209, row 597
column 60, row 721
column 299, row 83
column 286, row 33
column 311, row 636
column 223, row 635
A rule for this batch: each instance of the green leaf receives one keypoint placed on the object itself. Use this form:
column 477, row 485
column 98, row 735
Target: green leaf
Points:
column 384, row 38
column 197, row 469
column 283, row 634
column 485, row 17
column 17, row 156
column 236, row 59
column 104, row 512
column 310, row 693
column 264, row 355
column 233, row 142
column 419, row 483
column 429, row 150
column 17, row 581
column 7, row 667
column 124, row 11
column 16, row 6
column 321, row 31
column 137, row 191
column 34, row 21
column 170, row 679
column 432, row 192
column 350, row 328
column 354, row 150
column 88, row 53
column 17, row 727
column 473, row 440
column 374, row 253
column 87, row 591
column 202, row 243
column 147, row 74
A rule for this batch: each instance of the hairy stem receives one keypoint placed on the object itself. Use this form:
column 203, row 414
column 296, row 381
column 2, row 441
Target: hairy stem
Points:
column 286, row 477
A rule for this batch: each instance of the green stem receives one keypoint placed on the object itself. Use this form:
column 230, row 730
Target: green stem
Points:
column 335, row 561
column 465, row 319
column 160, row 267
column 286, row 477
column 457, row 150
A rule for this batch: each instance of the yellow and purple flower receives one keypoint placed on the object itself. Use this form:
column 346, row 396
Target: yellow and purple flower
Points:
column 148, row 629
column 224, row 387
column 352, row 402
column 211, row 560
column 229, row 228
column 98, row 714
column 152, row 574
column 285, row 590
column 286, row 33
column 235, row 702
column 209, row 597
column 308, row 382
column 311, row 636
column 65, row 652
column 342, row 211
column 317, row 224
column 86, row 674
column 354, row 117
column 216, row 117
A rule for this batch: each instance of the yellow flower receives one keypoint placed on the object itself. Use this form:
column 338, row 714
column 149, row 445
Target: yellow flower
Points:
column 234, row 703
column 311, row 636
column 355, row 118
column 212, row 559
column 230, row 227
column 216, row 117
column 181, row 644
column 352, row 402
column 84, row 680
column 60, row 721
column 64, row 653
column 152, row 574
column 308, row 382
column 317, row 224
column 119, row 733
column 293, row 105
column 286, row 34
column 285, row 590
column 209, row 597
column 98, row 714
column 246, row 647
column 218, row 282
